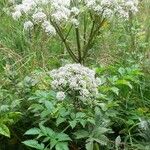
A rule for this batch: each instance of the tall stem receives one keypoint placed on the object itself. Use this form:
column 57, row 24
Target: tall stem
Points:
column 93, row 34
column 59, row 32
column 78, row 45
column 85, row 29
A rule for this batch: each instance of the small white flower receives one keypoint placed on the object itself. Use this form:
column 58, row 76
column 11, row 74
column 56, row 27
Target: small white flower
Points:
column 39, row 17
column 84, row 93
column 60, row 96
column 54, row 84
column 49, row 29
column 75, row 10
column 28, row 25
column 75, row 22
column 16, row 15
column 143, row 124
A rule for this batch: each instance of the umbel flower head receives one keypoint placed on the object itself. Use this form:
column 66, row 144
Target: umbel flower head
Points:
column 66, row 11
column 75, row 80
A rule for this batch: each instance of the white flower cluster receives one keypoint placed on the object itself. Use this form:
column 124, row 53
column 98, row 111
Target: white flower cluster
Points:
column 33, row 10
column 28, row 25
column 39, row 11
column 60, row 96
column 108, row 8
column 75, row 80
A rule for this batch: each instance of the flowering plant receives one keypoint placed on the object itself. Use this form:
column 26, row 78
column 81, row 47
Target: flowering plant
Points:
column 75, row 80
column 64, row 117
column 84, row 18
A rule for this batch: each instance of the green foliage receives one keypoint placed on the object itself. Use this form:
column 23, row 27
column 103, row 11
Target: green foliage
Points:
column 8, row 112
column 52, row 138
column 66, row 117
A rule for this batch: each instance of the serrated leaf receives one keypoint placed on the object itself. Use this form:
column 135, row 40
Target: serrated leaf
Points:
column 46, row 139
column 48, row 105
column 91, row 120
column 4, row 130
column 34, row 144
column 73, row 123
column 45, row 113
column 47, row 131
column 60, row 120
column 115, row 90
column 53, row 143
column 124, row 82
column 33, row 131
column 102, row 140
column 63, row 137
column 36, row 107
column 80, row 134
column 62, row 146
column 83, row 122
column 80, row 115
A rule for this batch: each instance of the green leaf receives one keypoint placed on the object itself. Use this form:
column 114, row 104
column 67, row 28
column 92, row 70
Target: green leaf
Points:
column 53, row 143
column 36, row 107
column 102, row 140
column 91, row 120
column 46, row 139
column 47, row 131
column 124, row 82
column 34, row 144
column 45, row 113
column 48, row 105
column 80, row 115
column 4, row 130
column 73, row 123
column 33, row 131
column 115, row 90
column 60, row 120
column 62, row 146
column 89, row 145
column 102, row 130
column 83, row 122
column 80, row 134
column 63, row 137
column 14, row 115
column 121, row 70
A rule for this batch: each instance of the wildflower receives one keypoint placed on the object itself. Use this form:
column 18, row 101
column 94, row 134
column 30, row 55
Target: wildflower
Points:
column 39, row 17
column 60, row 96
column 75, row 79
column 49, row 29
column 75, row 22
column 16, row 15
column 62, row 11
column 75, row 10
column 28, row 25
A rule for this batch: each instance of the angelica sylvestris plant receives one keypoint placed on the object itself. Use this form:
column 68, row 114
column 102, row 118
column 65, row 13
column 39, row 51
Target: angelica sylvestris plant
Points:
column 69, row 112
column 76, row 22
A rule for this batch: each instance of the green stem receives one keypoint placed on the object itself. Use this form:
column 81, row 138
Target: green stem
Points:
column 78, row 44
column 59, row 32
column 93, row 35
